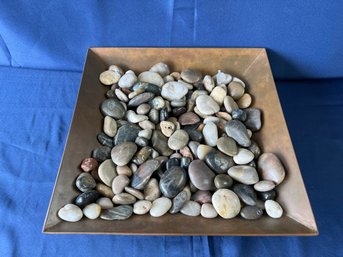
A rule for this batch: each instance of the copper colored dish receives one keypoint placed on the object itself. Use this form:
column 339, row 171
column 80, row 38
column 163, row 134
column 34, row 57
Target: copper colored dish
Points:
column 249, row 64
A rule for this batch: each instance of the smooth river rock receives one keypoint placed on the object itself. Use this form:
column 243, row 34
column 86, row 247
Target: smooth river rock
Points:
column 268, row 195
column 206, row 105
column 70, row 212
column 110, row 126
column 142, row 207
column 107, row 172
column 126, row 133
column 191, row 76
column 219, row 162
column 113, row 108
column 151, row 77
column 178, row 139
column 188, row 118
column 264, row 186
column 243, row 156
column 105, row 203
column 161, row 68
column 210, row 133
column 87, row 198
column 140, row 99
column 191, row 208
column 173, row 181
column 227, row 146
column 104, row 139
column 253, row 120
column 101, row 153
column 251, row 212
column 273, row 209
column 173, row 90
column 246, row 194
column 201, row 175
column 226, row 203
column 124, row 198
column 160, row 206
column 160, row 143
column 270, row 168
column 127, row 80
column 208, row 211
column 121, row 212
column 179, row 201
column 92, row 211
column 236, row 130
column 88, row 164
column 223, row 181
column 152, row 190
column 122, row 153
column 119, row 183
column 85, row 182
column 202, row 196
column 245, row 174
column 142, row 175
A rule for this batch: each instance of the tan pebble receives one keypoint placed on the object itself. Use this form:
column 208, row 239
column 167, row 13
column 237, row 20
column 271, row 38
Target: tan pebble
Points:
column 119, row 183
column 109, row 77
column 110, row 126
column 167, row 128
column 218, row 94
column 176, row 75
column 92, row 211
column 124, row 198
column 203, row 150
column 107, row 172
column 249, row 133
column 104, row 190
column 116, row 68
column 235, row 90
column 224, row 115
column 230, row 104
column 124, row 170
column 105, row 203
column 142, row 207
column 152, row 190
column 135, row 93
column 186, row 152
column 136, row 193
column 244, row 101
column 121, row 96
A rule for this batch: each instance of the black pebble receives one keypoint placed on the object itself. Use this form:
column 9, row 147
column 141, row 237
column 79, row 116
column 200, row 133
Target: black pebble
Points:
column 105, row 140
column 87, row 198
column 102, row 153
column 269, row 195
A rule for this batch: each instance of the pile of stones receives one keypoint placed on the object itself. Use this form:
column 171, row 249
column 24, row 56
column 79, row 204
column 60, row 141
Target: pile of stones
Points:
column 176, row 142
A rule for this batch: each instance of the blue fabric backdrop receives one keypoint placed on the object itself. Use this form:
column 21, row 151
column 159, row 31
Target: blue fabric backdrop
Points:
column 42, row 49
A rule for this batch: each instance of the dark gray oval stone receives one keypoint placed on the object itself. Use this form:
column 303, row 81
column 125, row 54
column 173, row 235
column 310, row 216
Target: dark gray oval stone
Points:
column 251, row 212
column 173, row 181
column 172, row 163
column 184, row 163
column 141, row 141
column 246, row 193
column 126, row 133
column 239, row 114
column 253, row 121
column 160, row 143
column 141, row 99
column 179, row 110
column 85, row 182
column 105, row 140
column 147, row 87
column 193, row 133
column 102, row 153
column 87, row 198
column 223, row 181
column 111, row 94
column 142, row 175
column 178, row 202
column 121, row 212
column 237, row 130
column 154, row 116
column 219, row 162
column 112, row 107
column 164, row 115
column 268, row 195
column 255, row 149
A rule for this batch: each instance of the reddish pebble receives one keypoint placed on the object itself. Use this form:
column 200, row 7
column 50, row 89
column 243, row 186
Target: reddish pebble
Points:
column 189, row 118
column 89, row 164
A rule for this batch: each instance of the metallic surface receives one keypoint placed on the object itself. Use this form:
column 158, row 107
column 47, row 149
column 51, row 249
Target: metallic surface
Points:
column 250, row 64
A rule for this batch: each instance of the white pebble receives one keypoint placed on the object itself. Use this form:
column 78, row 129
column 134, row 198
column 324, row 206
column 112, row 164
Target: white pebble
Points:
column 92, row 211
column 105, row 203
column 273, row 209
column 160, row 206
column 208, row 211
column 70, row 212
column 243, row 156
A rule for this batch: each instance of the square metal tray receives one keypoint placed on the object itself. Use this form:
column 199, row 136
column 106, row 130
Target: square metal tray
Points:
column 250, row 64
